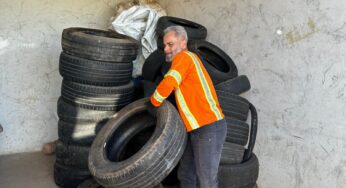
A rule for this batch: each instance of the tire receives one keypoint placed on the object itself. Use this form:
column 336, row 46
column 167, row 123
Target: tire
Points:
column 193, row 30
column 89, row 183
column 217, row 63
column 242, row 175
column 94, row 72
column 73, row 156
column 237, row 131
column 77, row 115
column 253, row 132
column 158, row 79
column 67, row 177
column 152, row 163
column 172, row 179
column 165, row 68
column 79, row 133
column 148, row 87
column 232, row 153
column 99, row 45
column 237, row 85
column 97, row 97
column 233, row 106
column 159, row 43
column 152, row 65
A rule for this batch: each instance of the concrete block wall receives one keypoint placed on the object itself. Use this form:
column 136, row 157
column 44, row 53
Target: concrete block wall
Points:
column 294, row 55
column 30, row 37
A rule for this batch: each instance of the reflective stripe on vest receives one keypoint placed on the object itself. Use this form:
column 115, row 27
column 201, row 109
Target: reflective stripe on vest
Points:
column 189, row 116
column 175, row 74
column 205, row 86
column 158, row 97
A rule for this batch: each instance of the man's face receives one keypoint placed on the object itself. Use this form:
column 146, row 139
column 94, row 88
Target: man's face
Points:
column 173, row 45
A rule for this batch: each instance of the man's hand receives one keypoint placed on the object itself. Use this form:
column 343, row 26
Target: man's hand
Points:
column 152, row 110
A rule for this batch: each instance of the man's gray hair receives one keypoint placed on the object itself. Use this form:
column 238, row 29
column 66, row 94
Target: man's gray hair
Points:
column 178, row 30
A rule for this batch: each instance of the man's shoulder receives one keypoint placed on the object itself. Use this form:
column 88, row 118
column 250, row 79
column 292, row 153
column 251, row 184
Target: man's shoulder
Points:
column 183, row 55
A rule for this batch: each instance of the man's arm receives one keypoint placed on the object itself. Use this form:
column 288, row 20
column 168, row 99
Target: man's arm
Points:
column 171, row 81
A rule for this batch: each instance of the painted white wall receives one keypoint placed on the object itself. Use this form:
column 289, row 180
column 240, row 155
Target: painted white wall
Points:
column 30, row 37
column 294, row 55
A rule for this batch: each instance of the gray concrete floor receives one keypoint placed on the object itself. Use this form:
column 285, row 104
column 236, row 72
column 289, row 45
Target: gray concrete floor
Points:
column 27, row 170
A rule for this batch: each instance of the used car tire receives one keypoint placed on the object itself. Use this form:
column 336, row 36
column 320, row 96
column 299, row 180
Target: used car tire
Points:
column 217, row 63
column 94, row 72
column 72, row 155
column 193, row 29
column 69, row 177
column 148, row 87
column 243, row 175
column 89, row 183
column 74, row 114
column 152, row 65
column 153, row 162
column 237, row 131
column 95, row 44
column 253, row 132
column 237, row 85
column 233, row 106
column 97, row 97
column 82, row 133
column 232, row 153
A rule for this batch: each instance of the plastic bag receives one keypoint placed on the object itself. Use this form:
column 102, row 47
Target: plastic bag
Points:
column 139, row 22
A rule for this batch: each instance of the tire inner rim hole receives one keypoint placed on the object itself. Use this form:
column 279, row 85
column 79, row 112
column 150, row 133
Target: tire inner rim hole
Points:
column 213, row 59
column 130, row 137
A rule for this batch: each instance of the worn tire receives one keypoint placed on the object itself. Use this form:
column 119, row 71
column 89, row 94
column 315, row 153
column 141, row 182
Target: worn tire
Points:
column 148, row 87
column 94, row 72
column 72, row 155
column 153, row 162
column 237, row 131
column 75, row 114
column 217, row 63
column 232, row 153
column 97, row 97
column 99, row 45
column 159, row 43
column 69, row 177
column 193, row 29
column 165, row 68
column 233, row 106
column 90, row 183
column 237, row 85
column 152, row 65
column 253, row 132
column 242, row 175
column 79, row 133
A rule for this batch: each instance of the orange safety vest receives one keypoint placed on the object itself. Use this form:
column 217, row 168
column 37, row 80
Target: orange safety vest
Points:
column 194, row 92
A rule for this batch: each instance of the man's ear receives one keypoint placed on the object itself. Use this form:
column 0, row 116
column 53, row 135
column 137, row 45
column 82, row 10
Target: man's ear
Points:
column 183, row 44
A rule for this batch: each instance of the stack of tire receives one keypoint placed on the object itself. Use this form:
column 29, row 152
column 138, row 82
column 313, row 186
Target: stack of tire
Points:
column 239, row 167
column 96, row 67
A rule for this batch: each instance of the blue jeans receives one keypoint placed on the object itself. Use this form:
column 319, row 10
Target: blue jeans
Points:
column 200, row 161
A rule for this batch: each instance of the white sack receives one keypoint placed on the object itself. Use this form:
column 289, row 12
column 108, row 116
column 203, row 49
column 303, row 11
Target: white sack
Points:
column 140, row 22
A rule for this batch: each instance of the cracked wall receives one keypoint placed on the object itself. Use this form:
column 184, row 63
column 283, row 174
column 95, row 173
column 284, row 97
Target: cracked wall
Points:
column 294, row 55
column 30, row 37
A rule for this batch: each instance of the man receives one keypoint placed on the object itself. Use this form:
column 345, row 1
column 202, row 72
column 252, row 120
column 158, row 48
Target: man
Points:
column 199, row 108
